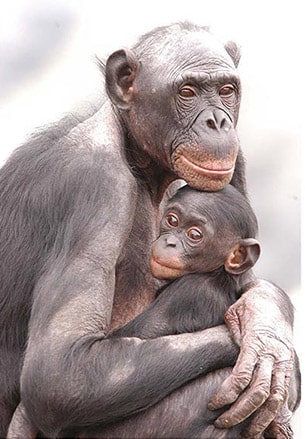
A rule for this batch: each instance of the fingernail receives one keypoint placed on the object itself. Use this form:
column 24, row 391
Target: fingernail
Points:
column 221, row 423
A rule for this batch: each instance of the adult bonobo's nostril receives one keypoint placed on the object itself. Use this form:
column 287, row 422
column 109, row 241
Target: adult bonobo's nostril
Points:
column 211, row 124
column 218, row 120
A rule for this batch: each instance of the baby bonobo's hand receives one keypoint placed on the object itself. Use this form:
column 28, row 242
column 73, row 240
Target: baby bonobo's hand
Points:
column 263, row 329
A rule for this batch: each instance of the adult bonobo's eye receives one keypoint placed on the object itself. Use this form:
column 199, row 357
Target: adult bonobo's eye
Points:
column 172, row 220
column 227, row 91
column 187, row 92
column 195, row 234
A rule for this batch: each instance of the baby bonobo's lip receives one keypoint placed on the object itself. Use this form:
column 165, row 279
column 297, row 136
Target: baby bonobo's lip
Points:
column 171, row 265
column 162, row 270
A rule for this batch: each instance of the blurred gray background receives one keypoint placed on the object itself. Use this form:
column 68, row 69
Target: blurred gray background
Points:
column 47, row 69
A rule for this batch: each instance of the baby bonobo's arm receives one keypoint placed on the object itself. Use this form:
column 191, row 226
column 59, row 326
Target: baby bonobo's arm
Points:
column 190, row 303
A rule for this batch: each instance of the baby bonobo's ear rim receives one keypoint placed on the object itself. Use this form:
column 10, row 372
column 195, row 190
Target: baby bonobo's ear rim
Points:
column 243, row 256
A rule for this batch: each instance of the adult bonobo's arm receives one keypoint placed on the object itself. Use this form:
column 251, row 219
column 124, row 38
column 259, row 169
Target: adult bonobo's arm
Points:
column 72, row 376
column 261, row 323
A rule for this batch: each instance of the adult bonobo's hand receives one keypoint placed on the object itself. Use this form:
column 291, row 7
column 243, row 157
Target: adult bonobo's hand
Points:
column 262, row 327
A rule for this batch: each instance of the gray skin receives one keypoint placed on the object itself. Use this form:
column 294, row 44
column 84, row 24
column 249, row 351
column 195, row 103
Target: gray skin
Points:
column 95, row 189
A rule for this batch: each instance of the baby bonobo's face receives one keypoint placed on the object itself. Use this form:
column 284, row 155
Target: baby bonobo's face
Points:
column 193, row 239
column 179, row 247
column 187, row 243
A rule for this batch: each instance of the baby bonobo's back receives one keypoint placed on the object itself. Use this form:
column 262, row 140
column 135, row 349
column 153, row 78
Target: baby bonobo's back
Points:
column 204, row 252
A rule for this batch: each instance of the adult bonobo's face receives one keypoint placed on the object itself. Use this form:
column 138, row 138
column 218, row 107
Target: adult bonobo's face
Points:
column 179, row 94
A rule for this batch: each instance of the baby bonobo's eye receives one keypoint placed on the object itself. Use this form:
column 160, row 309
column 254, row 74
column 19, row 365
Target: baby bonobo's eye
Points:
column 172, row 219
column 195, row 234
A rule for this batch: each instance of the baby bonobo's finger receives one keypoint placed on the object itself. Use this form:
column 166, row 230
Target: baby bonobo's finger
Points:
column 252, row 398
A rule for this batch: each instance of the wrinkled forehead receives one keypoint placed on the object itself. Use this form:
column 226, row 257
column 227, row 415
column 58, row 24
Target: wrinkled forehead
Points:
column 196, row 51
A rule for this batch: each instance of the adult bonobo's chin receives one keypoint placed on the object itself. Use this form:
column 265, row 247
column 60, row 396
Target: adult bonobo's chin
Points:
column 79, row 204
column 181, row 106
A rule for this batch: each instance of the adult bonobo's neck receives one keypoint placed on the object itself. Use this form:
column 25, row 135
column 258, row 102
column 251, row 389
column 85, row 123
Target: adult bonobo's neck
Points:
column 239, row 179
column 106, row 130
column 152, row 174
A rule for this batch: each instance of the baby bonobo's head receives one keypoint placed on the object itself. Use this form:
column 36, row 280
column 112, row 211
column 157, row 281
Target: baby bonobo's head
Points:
column 203, row 231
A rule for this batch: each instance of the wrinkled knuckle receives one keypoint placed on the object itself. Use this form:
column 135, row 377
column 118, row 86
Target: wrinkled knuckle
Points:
column 241, row 379
column 254, row 430
column 260, row 396
column 284, row 366
column 229, row 315
column 276, row 399
column 280, row 431
column 278, row 395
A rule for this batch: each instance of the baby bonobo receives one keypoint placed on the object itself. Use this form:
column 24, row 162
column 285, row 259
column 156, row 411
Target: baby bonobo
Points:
column 205, row 250
column 204, row 254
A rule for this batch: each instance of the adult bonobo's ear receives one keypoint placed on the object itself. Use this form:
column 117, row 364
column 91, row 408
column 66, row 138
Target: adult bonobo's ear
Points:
column 234, row 51
column 243, row 256
column 120, row 72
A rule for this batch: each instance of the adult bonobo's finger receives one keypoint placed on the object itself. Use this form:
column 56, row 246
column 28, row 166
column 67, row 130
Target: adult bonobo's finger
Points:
column 252, row 398
column 273, row 409
column 280, row 428
column 236, row 382
column 233, row 322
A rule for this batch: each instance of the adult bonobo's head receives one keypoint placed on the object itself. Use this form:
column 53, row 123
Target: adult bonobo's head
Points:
column 178, row 93
column 203, row 231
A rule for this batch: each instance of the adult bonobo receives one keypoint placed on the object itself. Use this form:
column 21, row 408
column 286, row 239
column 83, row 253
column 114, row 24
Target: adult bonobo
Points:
column 78, row 208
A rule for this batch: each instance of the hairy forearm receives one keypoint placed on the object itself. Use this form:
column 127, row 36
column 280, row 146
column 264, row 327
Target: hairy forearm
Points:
column 111, row 379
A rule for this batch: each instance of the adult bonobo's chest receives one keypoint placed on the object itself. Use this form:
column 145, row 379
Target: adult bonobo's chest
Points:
column 135, row 287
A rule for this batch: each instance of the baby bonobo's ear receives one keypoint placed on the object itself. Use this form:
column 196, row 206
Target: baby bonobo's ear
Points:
column 243, row 256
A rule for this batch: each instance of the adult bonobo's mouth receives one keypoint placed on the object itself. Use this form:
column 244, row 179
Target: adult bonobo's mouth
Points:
column 204, row 171
column 207, row 171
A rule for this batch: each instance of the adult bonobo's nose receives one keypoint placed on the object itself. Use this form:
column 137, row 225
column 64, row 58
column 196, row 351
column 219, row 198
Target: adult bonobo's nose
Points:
column 216, row 120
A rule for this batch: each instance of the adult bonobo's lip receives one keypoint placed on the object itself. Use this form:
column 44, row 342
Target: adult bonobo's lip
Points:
column 207, row 171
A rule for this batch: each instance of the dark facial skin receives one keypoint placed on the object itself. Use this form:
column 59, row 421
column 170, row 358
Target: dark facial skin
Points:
column 182, row 238
column 79, row 203
column 188, row 237
column 196, row 107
